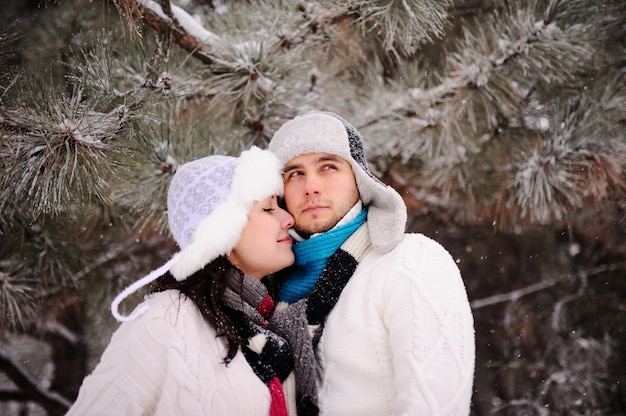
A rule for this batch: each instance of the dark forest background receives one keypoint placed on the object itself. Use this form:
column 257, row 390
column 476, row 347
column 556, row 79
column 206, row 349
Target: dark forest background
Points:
column 502, row 123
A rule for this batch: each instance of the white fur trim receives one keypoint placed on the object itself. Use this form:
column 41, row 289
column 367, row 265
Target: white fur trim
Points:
column 256, row 177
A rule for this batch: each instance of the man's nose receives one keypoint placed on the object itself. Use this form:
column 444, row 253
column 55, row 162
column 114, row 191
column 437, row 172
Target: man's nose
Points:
column 311, row 185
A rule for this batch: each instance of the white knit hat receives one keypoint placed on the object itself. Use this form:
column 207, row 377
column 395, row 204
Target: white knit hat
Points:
column 208, row 202
column 325, row 132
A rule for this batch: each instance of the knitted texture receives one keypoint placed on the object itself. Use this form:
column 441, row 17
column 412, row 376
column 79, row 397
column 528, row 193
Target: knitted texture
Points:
column 269, row 355
column 166, row 362
column 311, row 257
column 400, row 339
column 314, row 309
column 291, row 323
column 196, row 189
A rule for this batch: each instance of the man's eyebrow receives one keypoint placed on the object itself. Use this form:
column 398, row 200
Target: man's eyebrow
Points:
column 292, row 166
column 328, row 158
column 321, row 159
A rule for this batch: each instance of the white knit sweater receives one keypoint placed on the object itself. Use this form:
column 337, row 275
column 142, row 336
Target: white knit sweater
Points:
column 169, row 362
column 400, row 340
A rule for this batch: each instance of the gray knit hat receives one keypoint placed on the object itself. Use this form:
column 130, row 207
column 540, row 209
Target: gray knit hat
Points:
column 208, row 202
column 325, row 132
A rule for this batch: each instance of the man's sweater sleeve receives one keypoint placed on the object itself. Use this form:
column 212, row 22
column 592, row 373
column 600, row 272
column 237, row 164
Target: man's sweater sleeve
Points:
column 431, row 331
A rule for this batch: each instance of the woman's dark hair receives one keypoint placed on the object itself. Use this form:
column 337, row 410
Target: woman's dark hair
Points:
column 206, row 289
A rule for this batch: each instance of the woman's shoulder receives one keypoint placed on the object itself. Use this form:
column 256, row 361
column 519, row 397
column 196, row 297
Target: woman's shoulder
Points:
column 170, row 320
column 174, row 308
column 167, row 299
column 169, row 311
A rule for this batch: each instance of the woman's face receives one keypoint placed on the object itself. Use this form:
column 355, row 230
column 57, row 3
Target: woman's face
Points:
column 264, row 246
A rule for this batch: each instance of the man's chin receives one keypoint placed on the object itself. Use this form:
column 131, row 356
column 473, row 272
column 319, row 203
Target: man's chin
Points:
column 309, row 225
column 302, row 232
column 309, row 231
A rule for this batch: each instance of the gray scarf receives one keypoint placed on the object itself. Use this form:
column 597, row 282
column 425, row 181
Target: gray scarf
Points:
column 302, row 323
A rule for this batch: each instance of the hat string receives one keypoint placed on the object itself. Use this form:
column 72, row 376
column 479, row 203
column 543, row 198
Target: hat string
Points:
column 142, row 307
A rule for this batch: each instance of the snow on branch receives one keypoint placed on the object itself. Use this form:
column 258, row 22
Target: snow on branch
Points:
column 182, row 18
column 516, row 39
column 56, row 154
column 404, row 25
column 182, row 27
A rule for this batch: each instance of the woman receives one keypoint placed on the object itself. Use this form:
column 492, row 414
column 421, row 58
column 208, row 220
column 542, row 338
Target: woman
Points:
column 199, row 344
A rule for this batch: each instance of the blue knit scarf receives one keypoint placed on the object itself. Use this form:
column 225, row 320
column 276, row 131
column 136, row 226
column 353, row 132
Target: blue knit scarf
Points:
column 311, row 257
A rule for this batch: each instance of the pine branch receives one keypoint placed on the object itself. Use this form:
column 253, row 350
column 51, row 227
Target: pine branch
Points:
column 129, row 11
column 105, row 258
column 134, row 80
column 403, row 25
column 55, row 155
column 515, row 294
column 544, row 284
column 171, row 21
column 17, row 297
column 513, row 37
column 54, row 403
column 503, row 70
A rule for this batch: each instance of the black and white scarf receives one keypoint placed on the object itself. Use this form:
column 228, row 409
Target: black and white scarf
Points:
column 269, row 355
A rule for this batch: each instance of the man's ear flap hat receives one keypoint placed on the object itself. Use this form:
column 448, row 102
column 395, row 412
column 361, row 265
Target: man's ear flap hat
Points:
column 326, row 132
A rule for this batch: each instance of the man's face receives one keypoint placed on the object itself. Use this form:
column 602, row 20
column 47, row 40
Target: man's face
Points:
column 320, row 189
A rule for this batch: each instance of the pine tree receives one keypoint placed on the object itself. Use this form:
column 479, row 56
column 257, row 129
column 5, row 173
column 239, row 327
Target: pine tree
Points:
column 501, row 122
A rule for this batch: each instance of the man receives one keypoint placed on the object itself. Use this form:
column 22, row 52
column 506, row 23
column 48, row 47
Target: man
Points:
column 398, row 337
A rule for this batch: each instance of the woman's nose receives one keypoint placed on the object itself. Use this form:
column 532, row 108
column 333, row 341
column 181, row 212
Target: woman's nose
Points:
column 287, row 219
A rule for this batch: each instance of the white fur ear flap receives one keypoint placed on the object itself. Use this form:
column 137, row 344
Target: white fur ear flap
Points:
column 215, row 235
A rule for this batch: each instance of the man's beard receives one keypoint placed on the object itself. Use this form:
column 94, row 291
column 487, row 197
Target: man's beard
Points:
column 308, row 231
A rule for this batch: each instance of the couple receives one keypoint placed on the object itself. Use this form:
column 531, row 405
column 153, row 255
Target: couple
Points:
column 368, row 321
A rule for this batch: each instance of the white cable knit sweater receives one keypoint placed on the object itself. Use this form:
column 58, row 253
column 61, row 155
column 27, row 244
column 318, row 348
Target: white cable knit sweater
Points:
column 169, row 362
column 400, row 340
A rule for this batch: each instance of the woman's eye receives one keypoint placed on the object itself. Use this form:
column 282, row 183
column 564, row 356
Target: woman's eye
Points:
column 268, row 209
